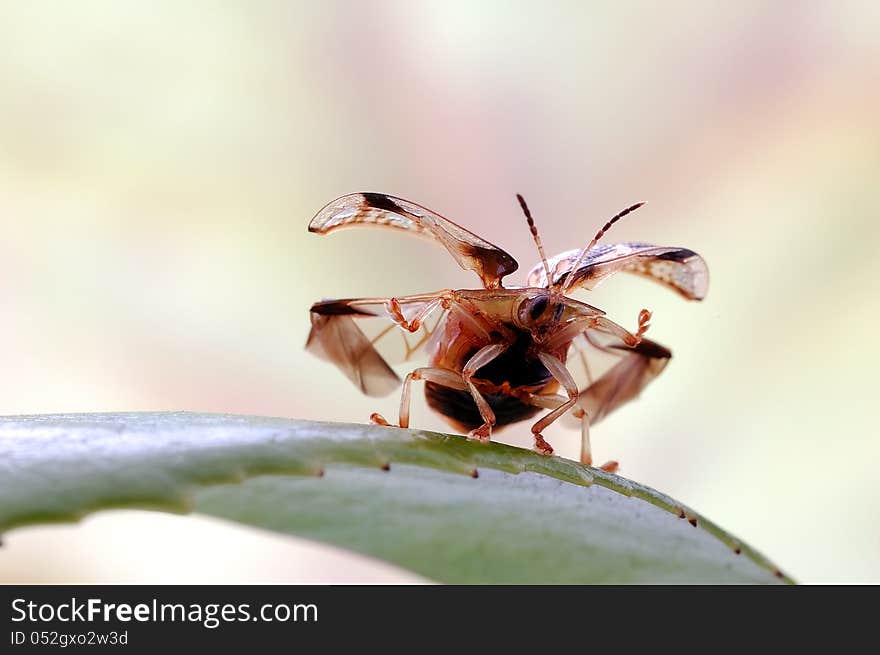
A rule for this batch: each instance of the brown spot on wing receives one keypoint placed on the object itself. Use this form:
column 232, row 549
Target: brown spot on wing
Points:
column 679, row 269
column 647, row 348
column 381, row 201
column 470, row 251
column 338, row 308
column 679, row 255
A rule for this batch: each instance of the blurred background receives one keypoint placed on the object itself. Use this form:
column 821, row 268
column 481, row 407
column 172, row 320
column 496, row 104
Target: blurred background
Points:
column 159, row 163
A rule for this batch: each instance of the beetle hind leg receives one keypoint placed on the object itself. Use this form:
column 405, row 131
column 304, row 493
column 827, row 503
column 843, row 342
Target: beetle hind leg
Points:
column 437, row 375
column 453, row 380
column 586, row 449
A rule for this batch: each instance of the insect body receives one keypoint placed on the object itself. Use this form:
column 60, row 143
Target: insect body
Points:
column 500, row 355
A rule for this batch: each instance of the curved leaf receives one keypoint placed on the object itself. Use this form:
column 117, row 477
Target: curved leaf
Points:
column 451, row 509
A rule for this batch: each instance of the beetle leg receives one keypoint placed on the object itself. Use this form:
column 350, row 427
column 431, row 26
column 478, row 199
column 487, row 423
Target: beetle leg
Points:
column 586, row 448
column 453, row 380
column 430, row 374
column 610, row 466
column 620, row 384
column 437, row 375
column 482, row 357
column 554, row 401
column 557, row 370
column 392, row 306
column 644, row 318
column 569, row 332
column 464, row 310
column 608, row 326
column 544, row 400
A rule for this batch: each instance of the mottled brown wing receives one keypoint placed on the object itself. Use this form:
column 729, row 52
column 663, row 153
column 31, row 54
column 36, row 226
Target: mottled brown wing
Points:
column 679, row 269
column 625, row 380
column 470, row 251
column 361, row 339
column 610, row 374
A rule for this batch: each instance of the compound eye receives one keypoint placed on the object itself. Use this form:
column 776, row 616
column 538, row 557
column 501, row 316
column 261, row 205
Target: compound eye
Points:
column 535, row 310
column 538, row 307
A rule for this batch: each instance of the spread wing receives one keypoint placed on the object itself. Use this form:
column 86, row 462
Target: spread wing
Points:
column 470, row 251
column 362, row 339
column 679, row 269
column 610, row 373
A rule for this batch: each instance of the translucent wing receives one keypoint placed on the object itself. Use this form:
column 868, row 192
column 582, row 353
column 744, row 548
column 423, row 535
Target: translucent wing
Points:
column 624, row 381
column 361, row 338
column 611, row 373
column 679, row 269
column 470, row 251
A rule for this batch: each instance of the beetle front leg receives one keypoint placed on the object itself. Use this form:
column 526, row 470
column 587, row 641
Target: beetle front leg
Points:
column 644, row 323
column 482, row 357
column 555, row 401
column 557, row 370
column 608, row 326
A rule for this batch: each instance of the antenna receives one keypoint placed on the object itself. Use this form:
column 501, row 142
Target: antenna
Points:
column 570, row 277
column 535, row 236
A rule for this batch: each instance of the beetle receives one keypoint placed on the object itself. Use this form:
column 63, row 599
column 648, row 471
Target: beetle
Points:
column 499, row 355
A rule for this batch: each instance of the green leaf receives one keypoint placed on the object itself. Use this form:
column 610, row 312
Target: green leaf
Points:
column 447, row 508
